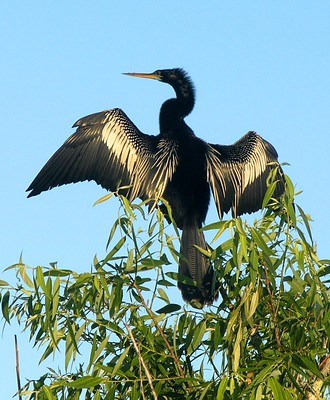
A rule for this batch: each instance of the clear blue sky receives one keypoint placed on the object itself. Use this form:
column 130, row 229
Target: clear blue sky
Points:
column 257, row 65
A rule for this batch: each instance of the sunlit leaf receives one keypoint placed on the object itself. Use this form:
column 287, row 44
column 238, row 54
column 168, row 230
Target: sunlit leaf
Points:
column 237, row 348
column 48, row 393
column 222, row 388
column 269, row 193
column 56, row 297
column 115, row 250
column 25, row 276
column 104, row 198
column 306, row 221
column 277, row 389
column 59, row 272
column 261, row 242
column 253, row 304
column 162, row 294
column 86, row 382
column 41, row 282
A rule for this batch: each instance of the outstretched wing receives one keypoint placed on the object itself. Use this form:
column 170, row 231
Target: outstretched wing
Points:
column 109, row 149
column 238, row 174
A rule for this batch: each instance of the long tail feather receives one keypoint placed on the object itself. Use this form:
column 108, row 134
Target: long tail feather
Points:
column 195, row 266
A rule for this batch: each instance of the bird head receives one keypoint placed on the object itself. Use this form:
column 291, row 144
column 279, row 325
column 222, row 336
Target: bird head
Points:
column 176, row 77
column 170, row 76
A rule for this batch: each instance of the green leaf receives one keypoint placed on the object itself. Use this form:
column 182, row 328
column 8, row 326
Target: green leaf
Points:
column 103, row 199
column 120, row 361
column 40, row 279
column 98, row 351
column 25, row 276
column 169, row 308
column 152, row 263
column 290, row 187
column 222, row 227
column 56, row 297
column 257, row 237
column 306, row 221
column 205, row 392
column 198, row 335
column 254, row 266
column 5, row 307
column 258, row 395
column 269, row 193
column 86, row 382
column 253, row 304
column 115, row 250
column 48, row 393
column 128, row 206
column 222, row 388
column 163, row 295
column 112, row 232
column 268, row 368
column 292, row 214
column 49, row 350
column 309, row 365
column 236, row 355
column 59, row 272
column 115, row 298
column 278, row 391
column 164, row 282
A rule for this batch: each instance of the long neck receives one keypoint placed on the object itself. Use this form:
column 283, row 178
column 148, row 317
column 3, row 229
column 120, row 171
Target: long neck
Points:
column 173, row 111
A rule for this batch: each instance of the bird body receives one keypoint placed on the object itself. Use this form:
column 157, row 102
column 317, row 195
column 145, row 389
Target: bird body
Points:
column 183, row 169
column 188, row 192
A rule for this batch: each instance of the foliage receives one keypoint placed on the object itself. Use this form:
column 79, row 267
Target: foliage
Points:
column 123, row 337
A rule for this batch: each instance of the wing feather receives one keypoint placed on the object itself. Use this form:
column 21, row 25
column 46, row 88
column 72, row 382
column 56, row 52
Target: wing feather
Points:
column 238, row 174
column 109, row 149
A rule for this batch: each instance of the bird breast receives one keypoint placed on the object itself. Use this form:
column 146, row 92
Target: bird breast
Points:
column 188, row 191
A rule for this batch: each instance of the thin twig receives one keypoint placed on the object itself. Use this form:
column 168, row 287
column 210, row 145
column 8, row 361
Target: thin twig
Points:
column 18, row 372
column 142, row 362
column 168, row 345
column 274, row 311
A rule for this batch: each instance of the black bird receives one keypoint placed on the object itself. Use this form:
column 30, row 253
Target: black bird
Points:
column 176, row 165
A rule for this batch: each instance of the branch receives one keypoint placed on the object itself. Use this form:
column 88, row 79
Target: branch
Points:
column 168, row 345
column 142, row 362
column 18, row 373
column 274, row 311
column 313, row 391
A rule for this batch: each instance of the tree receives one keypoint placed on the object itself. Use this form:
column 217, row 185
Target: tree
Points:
column 123, row 337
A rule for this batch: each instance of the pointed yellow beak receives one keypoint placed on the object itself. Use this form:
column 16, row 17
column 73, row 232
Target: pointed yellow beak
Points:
column 152, row 75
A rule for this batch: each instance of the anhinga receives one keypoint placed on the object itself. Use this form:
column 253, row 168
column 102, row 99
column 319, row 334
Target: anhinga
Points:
column 176, row 165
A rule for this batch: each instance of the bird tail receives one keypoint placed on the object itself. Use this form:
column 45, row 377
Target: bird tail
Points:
column 196, row 266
